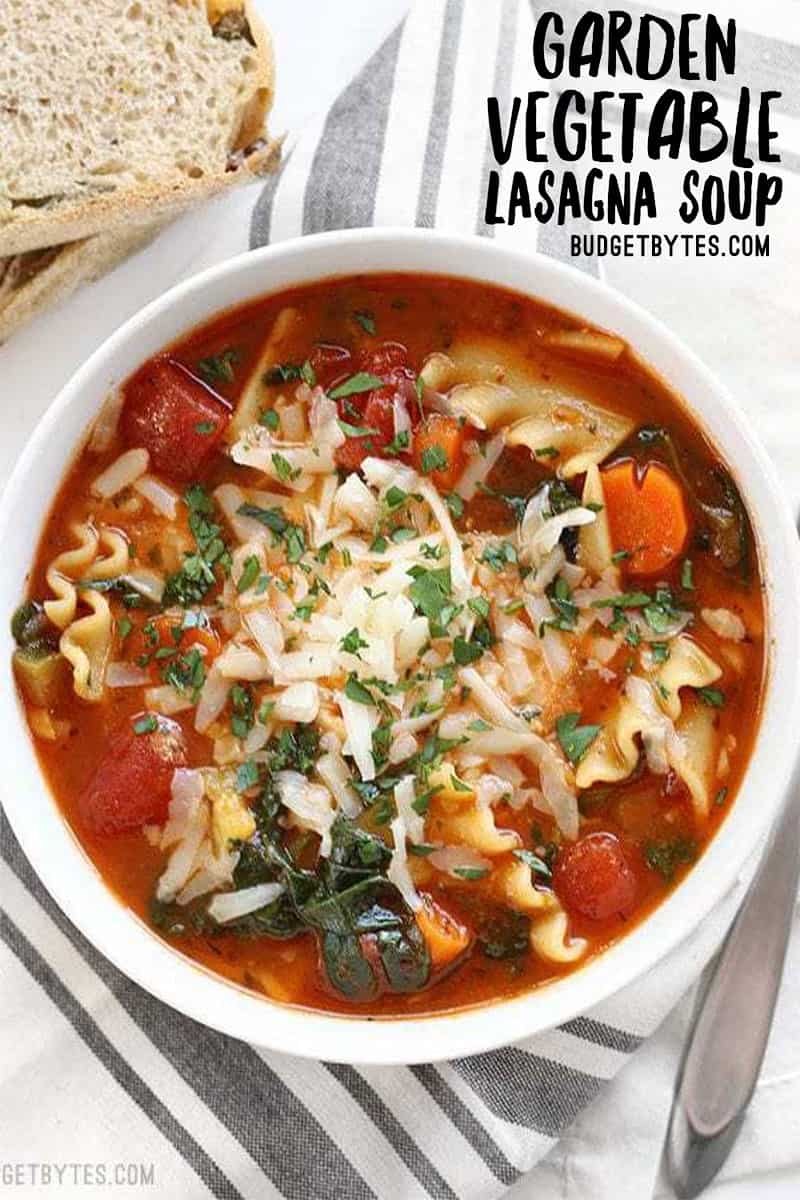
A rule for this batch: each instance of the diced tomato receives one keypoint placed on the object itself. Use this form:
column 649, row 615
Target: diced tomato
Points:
column 384, row 359
column 594, row 877
column 375, row 411
column 440, row 438
column 131, row 785
column 330, row 363
column 174, row 416
column 167, row 633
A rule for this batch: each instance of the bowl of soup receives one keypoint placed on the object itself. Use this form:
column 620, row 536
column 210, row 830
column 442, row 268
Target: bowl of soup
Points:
column 401, row 643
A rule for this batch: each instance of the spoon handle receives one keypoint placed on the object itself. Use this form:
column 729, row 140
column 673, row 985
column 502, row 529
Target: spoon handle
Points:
column 732, row 1019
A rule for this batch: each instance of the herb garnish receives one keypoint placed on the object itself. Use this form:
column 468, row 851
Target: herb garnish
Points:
column 283, row 468
column 575, row 739
column 190, row 584
column 366, row 320
column 362, row 381
column 434, row 458
column 146, row 724
column 352, row 642
column 218, row 368
column 292, row 536
column 665, row 857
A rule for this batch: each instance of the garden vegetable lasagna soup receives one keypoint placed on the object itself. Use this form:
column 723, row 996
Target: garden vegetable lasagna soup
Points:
column 394, row 644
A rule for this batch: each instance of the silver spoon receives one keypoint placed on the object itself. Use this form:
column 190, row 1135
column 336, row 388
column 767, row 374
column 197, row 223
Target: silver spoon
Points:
column 733, row 1015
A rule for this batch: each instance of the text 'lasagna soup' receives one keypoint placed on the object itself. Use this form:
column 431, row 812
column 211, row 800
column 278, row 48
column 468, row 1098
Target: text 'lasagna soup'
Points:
column 394, row 644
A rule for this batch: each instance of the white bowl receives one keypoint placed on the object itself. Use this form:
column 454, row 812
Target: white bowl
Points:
column 73, row 880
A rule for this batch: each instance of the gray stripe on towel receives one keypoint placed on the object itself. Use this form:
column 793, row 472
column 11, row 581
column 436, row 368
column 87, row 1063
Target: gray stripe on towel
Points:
column 382, row 1117
column 342, row 184
column 243, row 1092
column 107, row 1054
column 465, row 1122
column 603, row 1035
column 440, row 115
column 537, row 1093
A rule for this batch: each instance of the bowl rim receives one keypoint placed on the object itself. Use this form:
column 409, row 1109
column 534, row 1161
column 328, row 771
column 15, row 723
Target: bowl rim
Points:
column 126, row 941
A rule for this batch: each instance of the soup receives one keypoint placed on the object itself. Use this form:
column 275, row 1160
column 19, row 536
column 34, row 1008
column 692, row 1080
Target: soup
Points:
column 394, row 644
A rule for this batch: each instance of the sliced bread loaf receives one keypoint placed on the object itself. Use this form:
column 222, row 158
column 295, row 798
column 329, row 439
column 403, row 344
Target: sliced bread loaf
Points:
column 118, row 113
column 32, row 281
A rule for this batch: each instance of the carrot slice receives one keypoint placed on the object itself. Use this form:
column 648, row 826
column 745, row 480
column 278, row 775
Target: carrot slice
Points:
column 647, row 515
column 446, row 937
column 438, row 449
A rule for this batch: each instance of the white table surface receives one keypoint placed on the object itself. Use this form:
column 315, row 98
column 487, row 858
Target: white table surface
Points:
column 740, row 315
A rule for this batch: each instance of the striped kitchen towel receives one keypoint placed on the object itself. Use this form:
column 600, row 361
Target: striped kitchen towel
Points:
column 93, row 1066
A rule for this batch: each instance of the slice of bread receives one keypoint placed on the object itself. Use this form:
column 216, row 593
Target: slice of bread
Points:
column 32, row 281
column 119, row 113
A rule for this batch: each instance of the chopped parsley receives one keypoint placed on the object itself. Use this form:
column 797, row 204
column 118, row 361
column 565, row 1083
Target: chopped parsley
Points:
column 623, row 600
column 283, row 468
column 499, row 555
column 270, row 419
column 559, row 594
column 190, row 584
column 575, row 739
column 400, row 442
column 303, row 611
column 205, row 427
column 430, row 592
column 395, row 497
column 355, row 691
column 186, row 673
column 247, row 775
column 291, row 373
column 218, row 368
column 242, row 710
column 667, row 856
column 249, row 575
column 352, row 642
column 366, row 320
column 146, row 724
column 465, row 652
column 362, row 381
column 713, row 697
column 434, row 458
column 537, row 865
column 547, row 452
column 659, row 610
column 480, row 606
column 456, row 505
column 357, row 431
column 560, row 498
column 292, row 536
column 687, row 579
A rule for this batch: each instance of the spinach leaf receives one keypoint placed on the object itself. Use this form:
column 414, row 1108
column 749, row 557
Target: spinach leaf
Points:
column 405, row 958
column 346, row 967
column 505, row 934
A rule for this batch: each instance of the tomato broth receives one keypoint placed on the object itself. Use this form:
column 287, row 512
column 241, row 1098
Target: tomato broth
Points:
column 394, row 644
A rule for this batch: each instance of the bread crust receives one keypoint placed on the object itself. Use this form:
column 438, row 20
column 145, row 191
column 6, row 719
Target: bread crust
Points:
column 74, row 263
column 255, row 154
